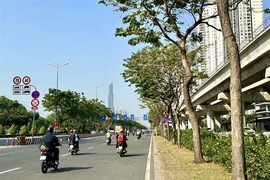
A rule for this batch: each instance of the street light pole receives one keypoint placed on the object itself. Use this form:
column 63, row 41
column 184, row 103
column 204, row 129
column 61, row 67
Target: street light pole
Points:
column 96, row 86
column 57, row 66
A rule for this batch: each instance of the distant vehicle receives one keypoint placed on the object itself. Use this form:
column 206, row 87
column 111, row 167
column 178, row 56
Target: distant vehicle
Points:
column 93, row 132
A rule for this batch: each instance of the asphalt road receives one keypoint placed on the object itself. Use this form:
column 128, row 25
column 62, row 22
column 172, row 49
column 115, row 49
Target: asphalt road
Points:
column 95, row 160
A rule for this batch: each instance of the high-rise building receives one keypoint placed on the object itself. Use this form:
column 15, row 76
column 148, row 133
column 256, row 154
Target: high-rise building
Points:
column 245, row 20
column 111, row 96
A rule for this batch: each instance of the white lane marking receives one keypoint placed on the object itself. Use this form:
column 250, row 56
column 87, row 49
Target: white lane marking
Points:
column 10, row 170
column 65, row 155
column 6, row 154
column 148, row 165
column 90, row 148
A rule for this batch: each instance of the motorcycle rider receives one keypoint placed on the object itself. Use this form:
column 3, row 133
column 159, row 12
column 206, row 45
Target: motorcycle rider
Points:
column 51, row 141
column 77, row 138
column 108, row 135
column 121, row 138
column 71, row 138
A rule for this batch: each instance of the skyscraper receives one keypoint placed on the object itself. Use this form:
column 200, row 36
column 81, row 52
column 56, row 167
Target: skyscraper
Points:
column 244, row 23
column 111, row 96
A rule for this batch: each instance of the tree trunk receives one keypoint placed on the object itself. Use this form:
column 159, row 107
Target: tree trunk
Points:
column 198, row 156
column 178, row 133
column 173, row 135
column 238, row 160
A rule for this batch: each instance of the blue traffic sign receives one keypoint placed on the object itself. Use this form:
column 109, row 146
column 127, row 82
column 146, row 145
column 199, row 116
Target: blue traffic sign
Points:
column 35, row 94
column 132, row 117
column 103, row 117
column 125, row 117
column 115, row 117
column 145, row 117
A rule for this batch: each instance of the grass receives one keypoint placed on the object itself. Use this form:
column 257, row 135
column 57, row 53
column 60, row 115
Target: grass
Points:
column 178, row 164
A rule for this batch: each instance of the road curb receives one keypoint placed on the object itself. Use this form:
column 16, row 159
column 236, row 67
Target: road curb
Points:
column 158, row 167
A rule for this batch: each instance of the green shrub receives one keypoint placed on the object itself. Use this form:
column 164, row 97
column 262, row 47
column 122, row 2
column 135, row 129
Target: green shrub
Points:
column 23, row 130
column 218, row 149
column 12, row 130
column 2, row 130
column 42, row 130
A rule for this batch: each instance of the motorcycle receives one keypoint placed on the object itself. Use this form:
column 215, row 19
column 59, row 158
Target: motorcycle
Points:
column 139, row 136
column 48, row 161
column 121, row 150
column 73, row 148
column 108, row 141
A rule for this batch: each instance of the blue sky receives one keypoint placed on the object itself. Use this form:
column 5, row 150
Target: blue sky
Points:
column 34, row 33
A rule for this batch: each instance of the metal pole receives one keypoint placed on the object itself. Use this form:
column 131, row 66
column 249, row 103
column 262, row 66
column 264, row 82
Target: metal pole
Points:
column 33, row 123
column 56, row 99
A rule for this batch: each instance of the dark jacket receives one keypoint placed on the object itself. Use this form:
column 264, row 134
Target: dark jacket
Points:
column 51, row 141
column 72, row 137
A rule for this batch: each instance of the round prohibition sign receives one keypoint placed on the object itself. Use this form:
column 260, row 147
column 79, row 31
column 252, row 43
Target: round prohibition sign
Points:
column 26, row 80
column 17, row 80
column 35, row 102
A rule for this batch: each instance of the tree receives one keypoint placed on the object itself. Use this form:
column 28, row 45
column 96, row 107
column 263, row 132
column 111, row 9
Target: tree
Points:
column 12, row 130
column 23, row 129
column 12, row 112
column 149, row 21
column 2, row 130
column 238, row 153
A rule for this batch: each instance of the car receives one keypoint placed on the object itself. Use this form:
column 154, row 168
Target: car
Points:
column 93, row 132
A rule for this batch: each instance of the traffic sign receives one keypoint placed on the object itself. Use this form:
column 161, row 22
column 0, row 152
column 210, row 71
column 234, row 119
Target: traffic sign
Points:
column 26, row 89
column 145, row 117
column 34, row 107
column 125, row 117
column 55, row 124
column 17, row 90
column 115, row 117
column 17, row 80
column 35, row 102
column 26, row 80
column 103, row 117
column 132, row 117
column 35, row 94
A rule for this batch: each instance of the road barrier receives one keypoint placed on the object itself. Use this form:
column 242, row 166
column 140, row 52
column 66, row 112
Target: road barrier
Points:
column 20, row 140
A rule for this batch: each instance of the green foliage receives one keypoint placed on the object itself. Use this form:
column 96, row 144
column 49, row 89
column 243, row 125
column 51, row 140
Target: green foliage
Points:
column 218, row 149
column 23, row 130
column 12, row 112
column 42, row 130
column 257, row 156
column 33, row 129
column 12, row 130
column 2, row 130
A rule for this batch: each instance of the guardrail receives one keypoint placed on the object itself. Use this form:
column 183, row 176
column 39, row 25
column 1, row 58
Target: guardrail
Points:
column 24, row 140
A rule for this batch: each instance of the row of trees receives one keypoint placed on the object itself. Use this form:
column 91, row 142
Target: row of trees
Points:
column 75, row 112
column 160, row 21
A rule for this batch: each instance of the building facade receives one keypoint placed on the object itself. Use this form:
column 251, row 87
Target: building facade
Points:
column 245, row 20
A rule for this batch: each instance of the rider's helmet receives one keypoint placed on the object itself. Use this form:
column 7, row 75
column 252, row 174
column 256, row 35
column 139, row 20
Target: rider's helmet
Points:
column 71, row 130
column 50, row 129
column 74, row 130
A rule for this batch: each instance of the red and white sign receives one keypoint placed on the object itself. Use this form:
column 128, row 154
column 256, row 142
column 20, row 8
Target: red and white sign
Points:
column 17, row 80
column 26, row 80
column 35, row 102
column 55, row 125
column 34, row 107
